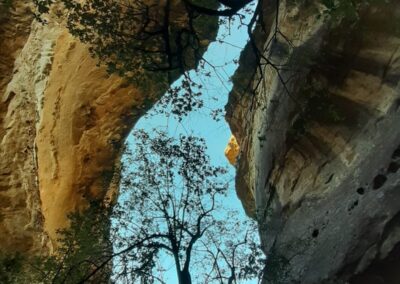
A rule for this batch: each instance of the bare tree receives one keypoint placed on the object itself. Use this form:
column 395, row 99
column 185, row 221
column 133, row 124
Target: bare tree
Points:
column 175, row 197
column 171, row 207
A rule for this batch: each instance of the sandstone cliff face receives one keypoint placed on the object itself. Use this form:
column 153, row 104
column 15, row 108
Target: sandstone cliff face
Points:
column 63, row 121
column 319, row 156
column 19, row 225
column 84, row 118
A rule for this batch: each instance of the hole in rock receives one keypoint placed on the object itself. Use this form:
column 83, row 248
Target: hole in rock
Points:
column 379, row 181
column 393, row 167
column 396, row 153
column 397, row 104
column 315, row 233
column 360, row 190
column 353, row 205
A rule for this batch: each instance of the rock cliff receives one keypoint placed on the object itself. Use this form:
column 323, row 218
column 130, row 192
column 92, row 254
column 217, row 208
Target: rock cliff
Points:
column 316, row 145
column 19, row 217
column 319, row 139
column 63, row 121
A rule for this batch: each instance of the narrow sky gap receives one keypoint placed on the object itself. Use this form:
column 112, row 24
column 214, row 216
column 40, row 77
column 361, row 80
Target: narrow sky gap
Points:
column 199, row 122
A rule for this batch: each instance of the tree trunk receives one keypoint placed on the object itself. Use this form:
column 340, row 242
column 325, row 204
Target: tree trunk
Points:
column 184, row 277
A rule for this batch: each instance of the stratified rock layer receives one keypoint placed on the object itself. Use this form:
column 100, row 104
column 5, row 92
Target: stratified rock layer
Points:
column 320, row 145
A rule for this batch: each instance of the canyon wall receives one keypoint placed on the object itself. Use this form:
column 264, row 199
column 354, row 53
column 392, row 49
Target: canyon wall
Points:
column 320, row 143
column 316, row 146
column 63, row 121
column 20, row 219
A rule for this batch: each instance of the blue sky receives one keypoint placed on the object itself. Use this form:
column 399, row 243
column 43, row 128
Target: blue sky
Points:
column 199, row 122
column 215, row 95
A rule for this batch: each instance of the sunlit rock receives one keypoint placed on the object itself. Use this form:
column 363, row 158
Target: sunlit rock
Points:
column 232, row 150
column 63, row 121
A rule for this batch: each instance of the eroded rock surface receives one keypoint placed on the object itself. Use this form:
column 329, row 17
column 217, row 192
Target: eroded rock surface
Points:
column 20, row 223
column 63, row 121
column 319, row 162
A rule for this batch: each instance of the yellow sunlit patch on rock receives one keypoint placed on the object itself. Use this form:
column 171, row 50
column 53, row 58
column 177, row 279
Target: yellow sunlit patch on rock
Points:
column 232, row 150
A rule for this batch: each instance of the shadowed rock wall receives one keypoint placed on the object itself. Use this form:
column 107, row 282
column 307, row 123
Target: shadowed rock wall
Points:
column 320, row 141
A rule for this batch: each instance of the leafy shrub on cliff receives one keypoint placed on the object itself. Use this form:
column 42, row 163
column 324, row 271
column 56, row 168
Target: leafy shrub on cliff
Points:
column 150, row 43
column 348, row 8
column 146, row 42
column 80, row 247
column 10, row 268
column 5, row 6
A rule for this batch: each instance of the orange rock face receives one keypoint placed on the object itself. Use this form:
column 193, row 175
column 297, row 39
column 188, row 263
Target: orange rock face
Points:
column 232, row 150
column 63, row 122
column 86, row 115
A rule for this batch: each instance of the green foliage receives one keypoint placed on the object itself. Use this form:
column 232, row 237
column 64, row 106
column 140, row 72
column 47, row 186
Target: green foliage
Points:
column 10, row 268
column 146, row 44
column 81, row 248
column 339, row 10
column 5, row 6
column 347, row 10
column 183, row 99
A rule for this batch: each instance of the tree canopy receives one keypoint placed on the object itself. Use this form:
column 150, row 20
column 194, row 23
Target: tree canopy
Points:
column 138, row 39
column 172, row 208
